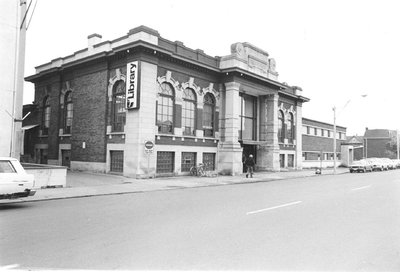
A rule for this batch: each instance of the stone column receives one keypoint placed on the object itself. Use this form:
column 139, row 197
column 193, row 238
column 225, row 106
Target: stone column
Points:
column 230, row 151
column 268, row 154
column 263, row 118
column 298, row 136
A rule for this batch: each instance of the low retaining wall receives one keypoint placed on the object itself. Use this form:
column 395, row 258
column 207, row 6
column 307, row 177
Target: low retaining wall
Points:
column 317, row 164
column 47, row 175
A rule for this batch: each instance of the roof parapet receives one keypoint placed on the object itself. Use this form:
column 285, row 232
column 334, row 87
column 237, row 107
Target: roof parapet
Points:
column 93, row 39
column 250, row 58
column 144, row 33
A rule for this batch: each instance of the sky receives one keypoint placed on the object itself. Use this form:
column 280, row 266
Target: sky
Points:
column 343, row 54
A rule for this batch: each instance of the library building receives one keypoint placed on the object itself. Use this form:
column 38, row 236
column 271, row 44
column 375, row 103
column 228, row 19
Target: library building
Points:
column 144, row 106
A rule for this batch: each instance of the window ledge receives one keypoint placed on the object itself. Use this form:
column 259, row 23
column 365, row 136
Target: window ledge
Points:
column 116, row 133
column 65, row 135
column 186, row 136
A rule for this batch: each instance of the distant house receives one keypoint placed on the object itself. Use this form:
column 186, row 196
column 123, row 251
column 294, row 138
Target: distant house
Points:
column 357, row 142
column 380, row 143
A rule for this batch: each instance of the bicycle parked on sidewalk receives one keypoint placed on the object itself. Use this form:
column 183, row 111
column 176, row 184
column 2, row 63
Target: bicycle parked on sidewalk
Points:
column 197, row 170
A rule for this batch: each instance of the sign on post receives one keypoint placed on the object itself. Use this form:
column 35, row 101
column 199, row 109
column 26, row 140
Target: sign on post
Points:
column 148, row 146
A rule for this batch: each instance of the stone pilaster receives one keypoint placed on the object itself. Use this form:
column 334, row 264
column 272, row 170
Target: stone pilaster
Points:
column 230, row 151
column 298, row 137
column 140, row 126
column 268, row 153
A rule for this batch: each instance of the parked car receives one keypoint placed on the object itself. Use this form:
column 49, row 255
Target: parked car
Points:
column 377, row 164
column 390, row 163
column 397, row 163
column 14, row 181
column 361, row 166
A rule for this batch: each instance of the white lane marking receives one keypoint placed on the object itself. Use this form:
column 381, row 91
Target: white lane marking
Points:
column 8, row 267
column 275, row 207
column 360, row 188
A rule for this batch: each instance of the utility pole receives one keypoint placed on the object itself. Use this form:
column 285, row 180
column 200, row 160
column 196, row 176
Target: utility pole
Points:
column 18, row 92
column 334, row 140
column 397, row 143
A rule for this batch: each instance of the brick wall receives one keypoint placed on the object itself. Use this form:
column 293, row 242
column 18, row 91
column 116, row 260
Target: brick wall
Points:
column 377, row 148
column 49, row 87
column 311, row 143
column 89, row 122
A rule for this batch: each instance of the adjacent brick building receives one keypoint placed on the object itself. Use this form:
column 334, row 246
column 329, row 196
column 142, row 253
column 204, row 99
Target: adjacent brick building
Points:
column 98, row 106
column 380, row 143
column 318, row 141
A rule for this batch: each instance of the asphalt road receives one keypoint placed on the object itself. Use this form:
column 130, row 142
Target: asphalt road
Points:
column 345, row 222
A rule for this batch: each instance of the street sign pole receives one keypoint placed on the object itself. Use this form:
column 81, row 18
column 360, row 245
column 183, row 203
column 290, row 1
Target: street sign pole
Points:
column 148, row 148
column 148, row 165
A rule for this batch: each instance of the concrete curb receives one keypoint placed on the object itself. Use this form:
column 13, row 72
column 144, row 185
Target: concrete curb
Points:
column 123, row 188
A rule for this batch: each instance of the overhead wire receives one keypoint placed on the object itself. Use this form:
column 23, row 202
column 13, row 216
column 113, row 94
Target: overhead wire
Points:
column 33, row 11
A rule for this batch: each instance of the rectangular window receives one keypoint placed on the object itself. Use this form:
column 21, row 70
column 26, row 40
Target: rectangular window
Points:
column 329, row 133
column 188, row 160
column 315, row 131
column 117, row 161
column 209, row 161
column 165, row 111
column 188, row 115
column 165, row 162
column 312, row 156
column 308, row 130
column 119, row 113
column 248, row 119
column 322, row 132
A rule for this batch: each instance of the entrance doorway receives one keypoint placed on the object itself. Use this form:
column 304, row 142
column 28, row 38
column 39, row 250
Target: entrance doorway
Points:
column 247, row 150
column 66, row 158
column 282, row 160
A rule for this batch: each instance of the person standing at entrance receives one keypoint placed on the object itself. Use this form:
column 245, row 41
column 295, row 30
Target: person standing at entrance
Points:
column 250, row 166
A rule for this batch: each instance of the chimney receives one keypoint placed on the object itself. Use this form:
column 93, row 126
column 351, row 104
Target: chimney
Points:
column 93, row 39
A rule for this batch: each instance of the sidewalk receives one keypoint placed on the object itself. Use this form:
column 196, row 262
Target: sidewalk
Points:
column 85, row 184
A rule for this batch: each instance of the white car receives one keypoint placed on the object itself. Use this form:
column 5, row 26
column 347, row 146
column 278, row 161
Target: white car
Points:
column 14, row 181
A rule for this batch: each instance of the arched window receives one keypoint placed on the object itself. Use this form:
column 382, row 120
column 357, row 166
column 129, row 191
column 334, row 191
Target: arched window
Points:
column 290, row 128
column 118, row 107
column 165, row 109
column 281, row 127
column 189, row 112
column 46, row 115
column 208, row 115
column 68, row 112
